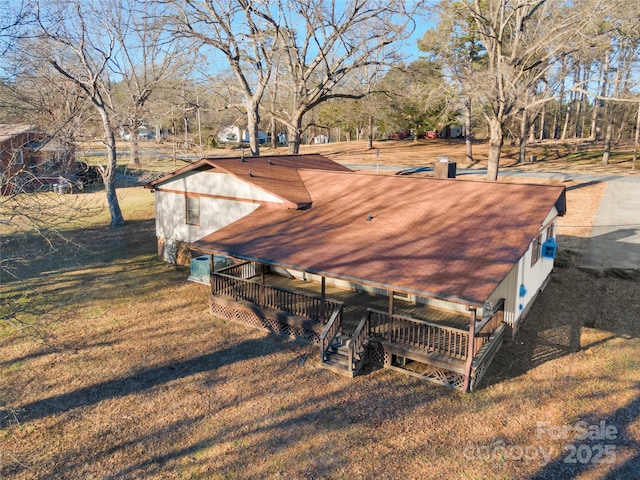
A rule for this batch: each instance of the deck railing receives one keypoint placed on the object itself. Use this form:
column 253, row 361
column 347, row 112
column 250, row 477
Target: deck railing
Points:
column 432, row 337
column 488, row 325
column 331, row 330
column 295, row 303
column 241, row 270
column 360, row 338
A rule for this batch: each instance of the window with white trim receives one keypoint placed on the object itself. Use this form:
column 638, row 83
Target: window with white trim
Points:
column 536, row 249
column 551, row 231
column 193, row 210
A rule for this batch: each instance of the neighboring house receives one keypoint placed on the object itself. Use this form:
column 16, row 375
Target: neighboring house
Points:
column 31, row 158
column 452, row 131
column 235, row 134
column 15, row 154
column 455, row 264
column 144, row 133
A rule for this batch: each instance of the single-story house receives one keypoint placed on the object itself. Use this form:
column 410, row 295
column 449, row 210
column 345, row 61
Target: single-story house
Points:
column 145, row 132
column 28, row 158
column 443, row 268
column 235, row 134
column 14, row 151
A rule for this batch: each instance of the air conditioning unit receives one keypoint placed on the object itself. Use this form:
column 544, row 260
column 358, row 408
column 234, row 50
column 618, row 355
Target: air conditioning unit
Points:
column 200, row 269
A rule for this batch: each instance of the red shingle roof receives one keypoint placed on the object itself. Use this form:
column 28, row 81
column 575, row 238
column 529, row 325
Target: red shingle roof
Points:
column 449, row 239
column 278, row 174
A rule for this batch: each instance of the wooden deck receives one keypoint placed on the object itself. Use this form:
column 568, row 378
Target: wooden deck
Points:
column 354, row 329
column 356, row 304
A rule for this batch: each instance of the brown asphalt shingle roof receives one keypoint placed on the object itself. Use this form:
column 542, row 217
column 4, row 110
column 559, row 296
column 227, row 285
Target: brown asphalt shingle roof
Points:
column 449, row 239
column 275, row 174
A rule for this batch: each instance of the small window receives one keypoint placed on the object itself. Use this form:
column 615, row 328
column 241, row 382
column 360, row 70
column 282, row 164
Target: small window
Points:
column 535, row 250
column 193, row 210
column 551, row 231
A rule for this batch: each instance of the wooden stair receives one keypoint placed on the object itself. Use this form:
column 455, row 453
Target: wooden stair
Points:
column 336, row 358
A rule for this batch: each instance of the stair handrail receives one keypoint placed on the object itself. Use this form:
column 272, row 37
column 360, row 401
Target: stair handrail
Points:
column 487, row 318
column 330, row 331
column 360, row 337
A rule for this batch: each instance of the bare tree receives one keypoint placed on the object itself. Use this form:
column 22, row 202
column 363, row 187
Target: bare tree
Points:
column 625, row 48
column 454, row 42
column 245, row 34
column 75, row 43
column 324, row 43
column 38, row 95
column 13, row 17
column 146, row 58
column 523, row 40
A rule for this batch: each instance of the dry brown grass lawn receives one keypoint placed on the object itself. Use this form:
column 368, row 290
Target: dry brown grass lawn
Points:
column 574, row 156
column 134, row 379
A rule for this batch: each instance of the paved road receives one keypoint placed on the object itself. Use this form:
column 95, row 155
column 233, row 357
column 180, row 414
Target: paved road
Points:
column 614, row 244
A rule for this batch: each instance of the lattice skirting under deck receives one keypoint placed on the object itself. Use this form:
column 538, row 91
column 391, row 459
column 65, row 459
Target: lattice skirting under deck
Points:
column 377, row 357
column 443, row 377
column 482, row 368
column 255, row 320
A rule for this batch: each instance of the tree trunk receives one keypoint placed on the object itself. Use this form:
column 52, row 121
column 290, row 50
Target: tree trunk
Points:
column 607, row 143
column 561, row 101
column 610, row 116
column 635, row 143
column 133, row 147
column 524, row 127
column 593, row 134
column 253, row 122
column 580, row 107
column 532, row 130
column 495, row 147
column 542, row 115
column 576, row 132
column 468, row 134
column 566, row 123
column 370, row 137
column 295, row 135
column 109, row 173
column 274, row 133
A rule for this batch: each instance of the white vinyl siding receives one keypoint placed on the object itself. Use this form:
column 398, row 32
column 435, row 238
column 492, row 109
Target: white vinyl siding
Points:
column 215, row 213
column 219, row 184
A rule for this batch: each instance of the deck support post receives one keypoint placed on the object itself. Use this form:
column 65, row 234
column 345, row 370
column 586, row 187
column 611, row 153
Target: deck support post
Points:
column 211, row 263
column 390, row 322
column 263, row 294
column 470, row 348
column 323, row 296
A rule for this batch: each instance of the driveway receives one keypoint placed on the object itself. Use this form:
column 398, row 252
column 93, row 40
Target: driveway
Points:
column 614, row 246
